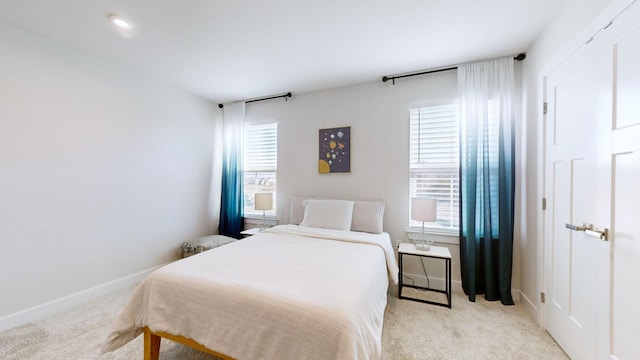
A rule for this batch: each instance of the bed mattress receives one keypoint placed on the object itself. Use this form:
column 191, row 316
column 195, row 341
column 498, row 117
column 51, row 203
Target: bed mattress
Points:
column 289, row 292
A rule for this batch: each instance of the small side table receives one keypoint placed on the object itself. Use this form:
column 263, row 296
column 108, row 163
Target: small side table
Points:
column 250, row 232
column 437, row 252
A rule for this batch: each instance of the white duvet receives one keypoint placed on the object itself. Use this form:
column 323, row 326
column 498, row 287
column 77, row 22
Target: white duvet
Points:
column 288, row 293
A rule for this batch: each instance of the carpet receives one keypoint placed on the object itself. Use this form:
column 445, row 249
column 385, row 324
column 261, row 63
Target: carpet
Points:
column 412, row 331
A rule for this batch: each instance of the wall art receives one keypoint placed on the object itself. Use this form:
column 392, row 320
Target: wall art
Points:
column 335, row 150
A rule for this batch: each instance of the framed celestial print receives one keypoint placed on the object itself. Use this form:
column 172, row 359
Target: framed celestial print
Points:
column 335, row 150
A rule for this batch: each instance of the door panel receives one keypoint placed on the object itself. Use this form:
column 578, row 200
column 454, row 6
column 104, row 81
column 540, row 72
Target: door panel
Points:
column 570, row 184
column 625, row 297
column 621, row 44
column 619, row 61
column 595, row 178
column 561, row 244
column 627, row 91
column 569, row 105
column 583, row 247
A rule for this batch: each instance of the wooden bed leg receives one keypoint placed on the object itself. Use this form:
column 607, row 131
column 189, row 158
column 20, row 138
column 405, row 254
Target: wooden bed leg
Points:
column 151, row 345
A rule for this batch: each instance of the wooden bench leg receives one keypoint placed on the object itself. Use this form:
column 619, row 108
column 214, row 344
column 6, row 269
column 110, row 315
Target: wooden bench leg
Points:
column 151, row 345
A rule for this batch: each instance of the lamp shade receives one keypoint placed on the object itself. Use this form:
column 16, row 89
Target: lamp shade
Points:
column 424, row 209
column 263, row 201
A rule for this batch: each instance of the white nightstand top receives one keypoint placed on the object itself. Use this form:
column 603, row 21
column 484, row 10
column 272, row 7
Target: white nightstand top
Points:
column 249, row 232
column 434, row 251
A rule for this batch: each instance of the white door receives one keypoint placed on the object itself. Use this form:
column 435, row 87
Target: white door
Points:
column 592, row 176
column 619, row 185
column 570, row 184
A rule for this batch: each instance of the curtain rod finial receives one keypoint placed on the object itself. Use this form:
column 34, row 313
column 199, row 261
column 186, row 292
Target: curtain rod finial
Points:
column 220, row 106
column 520, row 57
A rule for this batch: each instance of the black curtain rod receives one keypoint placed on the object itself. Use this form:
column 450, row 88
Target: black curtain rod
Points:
column 520, row 57
column 393, row 78
column 285, row 96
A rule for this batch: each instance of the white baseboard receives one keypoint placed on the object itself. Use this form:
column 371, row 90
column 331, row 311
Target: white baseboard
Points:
column 434, row 282
column 456, row 286
column 40, row 311
column 530, row 307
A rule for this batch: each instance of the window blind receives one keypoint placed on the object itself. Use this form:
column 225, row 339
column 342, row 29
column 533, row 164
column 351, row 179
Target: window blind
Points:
column 260, row 163
column 435, row 158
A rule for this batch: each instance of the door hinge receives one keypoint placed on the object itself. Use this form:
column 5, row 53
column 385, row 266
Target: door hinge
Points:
column 544, row 108
column 542, row 297
column 544, row 203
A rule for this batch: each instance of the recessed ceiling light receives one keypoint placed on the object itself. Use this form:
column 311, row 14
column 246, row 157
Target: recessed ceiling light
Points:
column 121, row 24
column 119, row 21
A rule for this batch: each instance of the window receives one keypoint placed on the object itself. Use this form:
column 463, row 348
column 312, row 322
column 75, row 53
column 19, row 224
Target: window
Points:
column 260, row 164
column 434, row 160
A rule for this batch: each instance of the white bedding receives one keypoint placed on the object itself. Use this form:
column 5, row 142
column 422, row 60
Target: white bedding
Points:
column 287, row 293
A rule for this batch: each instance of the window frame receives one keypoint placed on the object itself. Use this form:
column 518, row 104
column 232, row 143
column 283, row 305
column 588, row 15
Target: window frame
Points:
column 265, row 165
column 442, row 165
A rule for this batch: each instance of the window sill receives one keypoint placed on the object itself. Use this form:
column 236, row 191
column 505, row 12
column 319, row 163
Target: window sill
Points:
column 444, row 235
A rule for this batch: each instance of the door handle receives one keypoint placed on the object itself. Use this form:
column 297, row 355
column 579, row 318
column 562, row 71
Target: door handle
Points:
column 600, row 233
column 589, row 229
column 584, row 227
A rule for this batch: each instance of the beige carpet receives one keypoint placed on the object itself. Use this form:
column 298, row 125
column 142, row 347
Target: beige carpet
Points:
column 412, row 330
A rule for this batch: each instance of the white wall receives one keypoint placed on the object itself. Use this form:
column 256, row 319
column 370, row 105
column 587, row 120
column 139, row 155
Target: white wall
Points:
column 564, row 30
column 378, row 114
column 103, row 173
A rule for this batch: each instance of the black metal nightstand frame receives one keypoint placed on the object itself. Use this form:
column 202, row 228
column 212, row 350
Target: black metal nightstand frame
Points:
column 447, row 290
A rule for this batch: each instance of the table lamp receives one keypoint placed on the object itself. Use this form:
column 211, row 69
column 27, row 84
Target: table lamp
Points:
column 264, row 202
column 425, row 210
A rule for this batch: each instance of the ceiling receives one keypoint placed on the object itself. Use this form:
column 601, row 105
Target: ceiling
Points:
column 226, row 50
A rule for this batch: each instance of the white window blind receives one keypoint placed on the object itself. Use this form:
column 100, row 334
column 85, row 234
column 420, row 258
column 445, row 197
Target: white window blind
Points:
column 435, row 158
column 260, row 164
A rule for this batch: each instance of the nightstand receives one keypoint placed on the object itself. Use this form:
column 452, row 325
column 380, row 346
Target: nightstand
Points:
column 250, row 232
column 435, row 252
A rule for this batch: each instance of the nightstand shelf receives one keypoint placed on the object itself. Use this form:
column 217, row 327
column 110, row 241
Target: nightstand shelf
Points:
column 436, row 252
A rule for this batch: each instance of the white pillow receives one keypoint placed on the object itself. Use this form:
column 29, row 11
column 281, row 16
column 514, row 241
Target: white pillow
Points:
column 368, row 216
column 296, row 211
column 328, row 214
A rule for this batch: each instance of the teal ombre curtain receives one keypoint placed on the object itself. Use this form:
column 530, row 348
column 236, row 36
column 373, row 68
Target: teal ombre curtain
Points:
column 487, row 178
column 232, row 202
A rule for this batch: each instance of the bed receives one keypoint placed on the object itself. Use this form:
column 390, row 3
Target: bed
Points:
column 289, row 292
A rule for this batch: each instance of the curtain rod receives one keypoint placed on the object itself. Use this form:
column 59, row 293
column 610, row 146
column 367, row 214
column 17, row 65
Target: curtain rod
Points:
column 519, row 57
column 285, row 96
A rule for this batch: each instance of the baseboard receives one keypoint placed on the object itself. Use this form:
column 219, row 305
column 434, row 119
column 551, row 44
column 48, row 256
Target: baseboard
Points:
column 434, row 282
column 456, row 286
column 38, row 312
column 530, row 307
